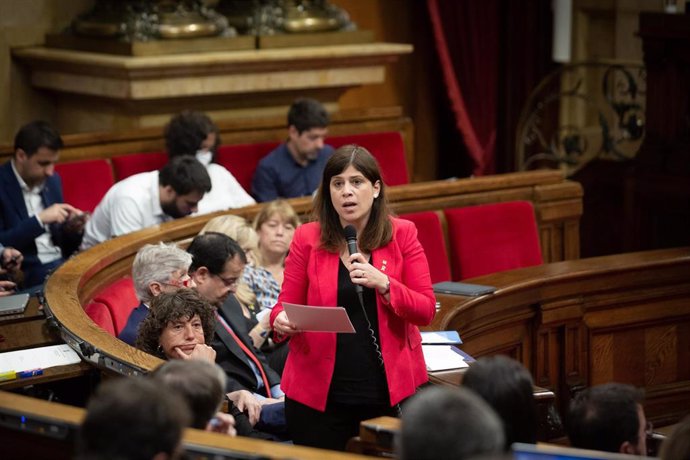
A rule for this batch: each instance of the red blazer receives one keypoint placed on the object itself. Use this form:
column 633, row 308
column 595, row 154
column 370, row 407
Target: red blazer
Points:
column 311, row 278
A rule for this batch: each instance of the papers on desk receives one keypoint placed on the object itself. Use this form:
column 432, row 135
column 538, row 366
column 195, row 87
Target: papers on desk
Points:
column 442, row 358
column 319, row 319
column 441, row 338
column 38, row 358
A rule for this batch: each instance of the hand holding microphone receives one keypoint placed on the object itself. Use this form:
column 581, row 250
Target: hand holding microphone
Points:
column 362, row 273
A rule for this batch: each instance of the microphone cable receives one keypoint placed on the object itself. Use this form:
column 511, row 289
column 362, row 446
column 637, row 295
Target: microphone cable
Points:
column 351, row 239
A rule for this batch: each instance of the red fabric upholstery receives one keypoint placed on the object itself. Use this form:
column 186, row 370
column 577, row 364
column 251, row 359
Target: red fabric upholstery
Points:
column 135, row 163
column 85, row 182
column 491, row 238
column 430, row 235
column 100, row 315
column 387, row 147
column 120, row 299
column 242, row 159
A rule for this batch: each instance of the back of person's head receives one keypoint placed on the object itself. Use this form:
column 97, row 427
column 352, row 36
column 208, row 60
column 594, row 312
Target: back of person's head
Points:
column 200, row 383
column 186, row 131
column 213, row 250
column 677, row 446
column 185, row 175
column 157, row 263
column 379, row 229
column 603, row 417
column 131, row 419
column 35, row 135
column 444, row 422
column 306, row 113
column 507, row 386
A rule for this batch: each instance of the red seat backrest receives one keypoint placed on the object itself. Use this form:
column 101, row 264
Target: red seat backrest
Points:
column 85, row 182
column 492, row 238
column 430, row 235
column 121, row 299
column 100, row 315
column 242, row 159
column 135, row 163
column 388, row 149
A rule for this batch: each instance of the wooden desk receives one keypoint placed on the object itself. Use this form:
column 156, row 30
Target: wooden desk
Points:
column 30, row 330
column 26, row 330
column 574, row 324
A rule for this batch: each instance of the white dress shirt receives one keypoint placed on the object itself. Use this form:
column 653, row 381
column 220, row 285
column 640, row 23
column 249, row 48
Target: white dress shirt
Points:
column 226, row 192
column 130, row 205
column 46, row 250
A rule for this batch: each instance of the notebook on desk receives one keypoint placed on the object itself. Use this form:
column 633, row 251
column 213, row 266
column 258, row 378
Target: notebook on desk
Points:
column 13, row 304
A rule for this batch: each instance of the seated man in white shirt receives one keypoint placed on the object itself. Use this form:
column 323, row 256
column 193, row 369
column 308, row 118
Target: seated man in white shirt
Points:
column 148, row 199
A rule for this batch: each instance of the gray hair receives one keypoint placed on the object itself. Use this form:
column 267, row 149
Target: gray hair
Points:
column 443, row 422
column 155, row 263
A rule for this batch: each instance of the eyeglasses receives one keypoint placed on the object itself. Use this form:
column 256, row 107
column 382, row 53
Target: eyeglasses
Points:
column 228, row 282
column 182, row 282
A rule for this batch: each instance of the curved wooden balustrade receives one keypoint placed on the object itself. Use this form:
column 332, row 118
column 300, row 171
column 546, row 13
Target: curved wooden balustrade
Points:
column 578, row 323
column 558, row 206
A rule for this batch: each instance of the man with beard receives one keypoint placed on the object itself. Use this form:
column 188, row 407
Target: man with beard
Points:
column 33, row 216
column 147, row 199
column 294, row 168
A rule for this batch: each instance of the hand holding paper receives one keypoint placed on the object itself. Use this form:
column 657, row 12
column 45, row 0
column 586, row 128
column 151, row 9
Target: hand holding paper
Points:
column 318, row 319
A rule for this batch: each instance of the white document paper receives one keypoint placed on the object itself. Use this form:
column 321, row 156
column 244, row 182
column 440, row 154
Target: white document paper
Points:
column 442, row 357
column 441, row 338
column 319, row 319
column 38, row 358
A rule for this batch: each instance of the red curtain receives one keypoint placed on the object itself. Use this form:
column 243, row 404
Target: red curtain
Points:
column 466, row 34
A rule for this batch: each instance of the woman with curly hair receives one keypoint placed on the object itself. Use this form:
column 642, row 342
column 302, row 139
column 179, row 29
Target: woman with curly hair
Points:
column 178, row 326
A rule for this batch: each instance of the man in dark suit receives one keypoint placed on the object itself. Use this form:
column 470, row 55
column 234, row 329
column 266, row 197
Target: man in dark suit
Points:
column 217, row 265
column 33, row 217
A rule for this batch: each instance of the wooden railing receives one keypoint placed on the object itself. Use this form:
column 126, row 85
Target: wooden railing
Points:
column 42, row 429
column 577, row 323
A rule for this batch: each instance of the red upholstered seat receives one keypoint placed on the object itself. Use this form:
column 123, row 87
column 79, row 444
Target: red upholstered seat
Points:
column 242, row 159
column 120, row 299
column 492, row 238
column 430, row 235
column 388, row 149
column 135, row 163
column 100, row 315
column 85, row 182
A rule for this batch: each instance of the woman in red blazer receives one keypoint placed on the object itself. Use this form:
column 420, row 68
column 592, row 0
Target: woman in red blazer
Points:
column 334, row 381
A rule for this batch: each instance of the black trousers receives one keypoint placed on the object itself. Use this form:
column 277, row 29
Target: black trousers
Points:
column 330, row 429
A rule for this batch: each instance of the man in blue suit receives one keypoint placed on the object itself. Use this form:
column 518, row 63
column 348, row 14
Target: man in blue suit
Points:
column 33, row 217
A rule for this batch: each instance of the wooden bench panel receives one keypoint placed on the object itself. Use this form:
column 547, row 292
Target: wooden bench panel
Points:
column 622, row 318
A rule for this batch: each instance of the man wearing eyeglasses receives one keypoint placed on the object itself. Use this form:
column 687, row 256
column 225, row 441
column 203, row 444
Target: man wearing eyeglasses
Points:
column 254, row 387
column 157, row 268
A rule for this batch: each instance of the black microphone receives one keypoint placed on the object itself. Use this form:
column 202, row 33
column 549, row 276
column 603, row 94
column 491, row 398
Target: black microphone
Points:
column 351, row 238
